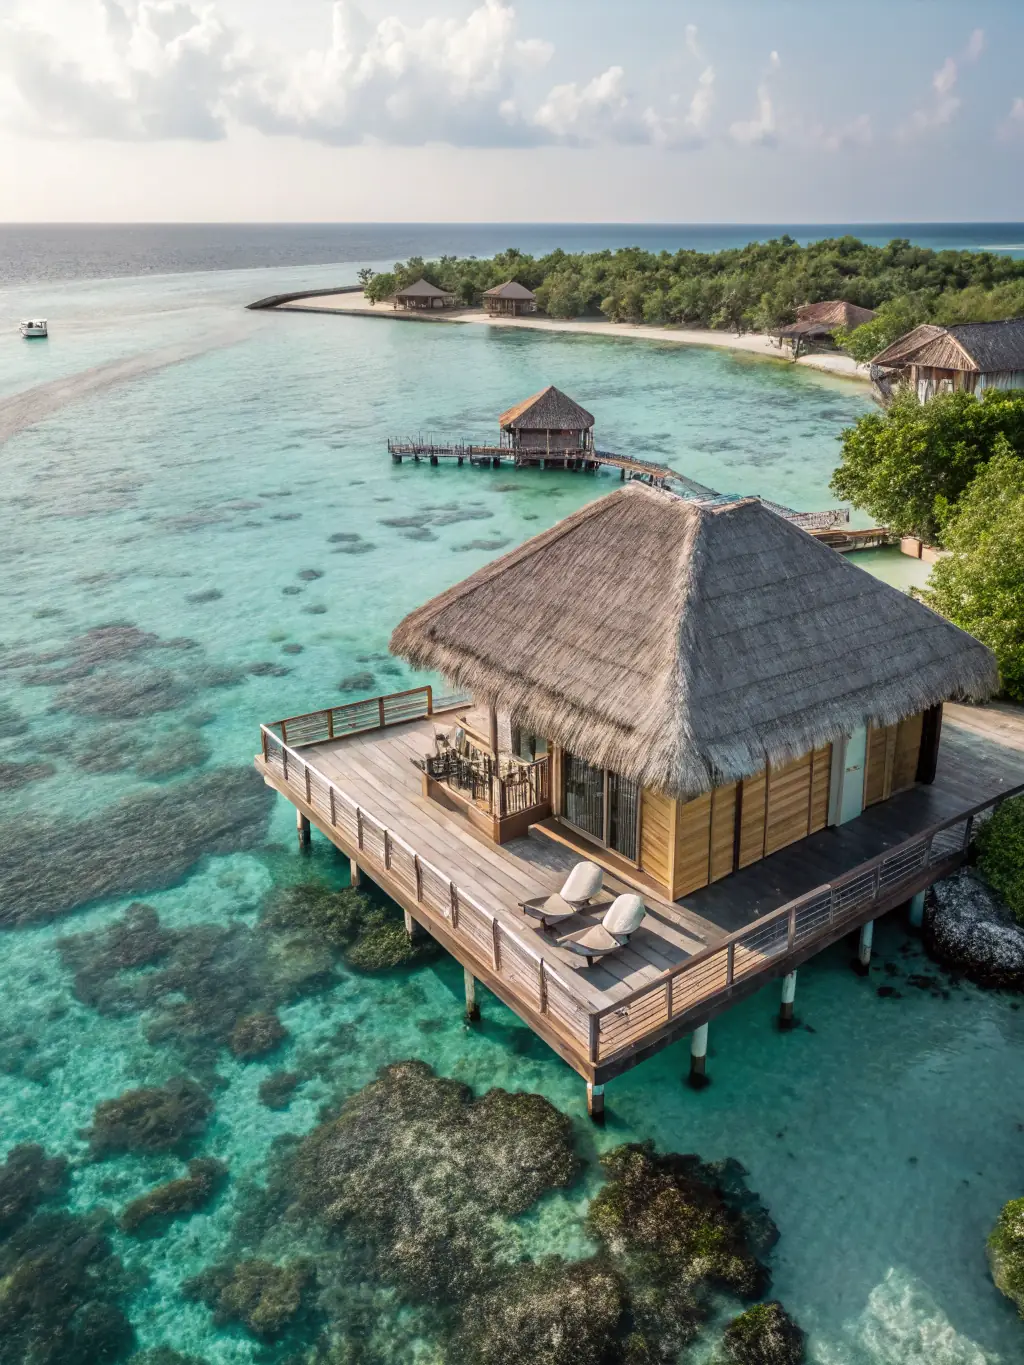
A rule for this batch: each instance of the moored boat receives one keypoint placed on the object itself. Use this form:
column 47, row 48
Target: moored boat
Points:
column 34, row 327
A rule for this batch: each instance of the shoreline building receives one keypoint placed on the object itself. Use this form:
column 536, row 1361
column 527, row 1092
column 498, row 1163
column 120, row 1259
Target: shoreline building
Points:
column 735, row 729
column 422, row 295
column 966, row 357
column 510, row 299
column 548, row 425
column 815, row 323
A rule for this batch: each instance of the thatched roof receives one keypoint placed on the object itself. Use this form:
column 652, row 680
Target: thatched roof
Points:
column 978, row 347
column 549, row 410
column 683, row 644
column 511, row 289
column 423, row 289
column 835, row 313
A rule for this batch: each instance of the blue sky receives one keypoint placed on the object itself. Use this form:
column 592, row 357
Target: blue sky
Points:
column 737, row 110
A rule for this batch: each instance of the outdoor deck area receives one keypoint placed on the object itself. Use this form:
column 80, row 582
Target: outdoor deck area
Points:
column 351, row 772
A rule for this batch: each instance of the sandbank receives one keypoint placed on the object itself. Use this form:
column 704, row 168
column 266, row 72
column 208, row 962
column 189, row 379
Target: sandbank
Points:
column 752, row 343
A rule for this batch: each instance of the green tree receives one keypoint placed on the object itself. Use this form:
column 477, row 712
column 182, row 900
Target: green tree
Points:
column 365, row 275
column 381, row 287
column 910, row 465
column 895, row 319
column 980, row 585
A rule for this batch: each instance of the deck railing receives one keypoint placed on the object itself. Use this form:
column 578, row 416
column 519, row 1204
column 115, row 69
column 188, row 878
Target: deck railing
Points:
column 372, row 713
column 703, row 980
column 525, row 972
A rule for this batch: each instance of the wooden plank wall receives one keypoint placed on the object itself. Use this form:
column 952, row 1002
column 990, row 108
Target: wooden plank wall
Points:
column 751, row 841
column 693, row 842
column 657, row 836
column 892, row 758
column 723, row 831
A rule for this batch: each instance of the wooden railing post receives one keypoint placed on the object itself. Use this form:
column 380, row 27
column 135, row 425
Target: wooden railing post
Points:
column 284, row 761
column 387, row 849
column 284, row 732
column 595, row 1034
column 791, row 929
column 418, row 871
column 876, row 882
column 330, row 723
column 730, row 964
column 309, row 789
column 380, row 712
column 967, row 832
column 430, row 701
column 359, row 828
column 542, row 987
column 263, row 741
column 496, row 943
column 330, row 794
column 453, row 898
column 668, row 998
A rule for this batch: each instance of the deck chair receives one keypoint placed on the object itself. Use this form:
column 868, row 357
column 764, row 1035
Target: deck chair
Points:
column 581, row 886
column 622, row 920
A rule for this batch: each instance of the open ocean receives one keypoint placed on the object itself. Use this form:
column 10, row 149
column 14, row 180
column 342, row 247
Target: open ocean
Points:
column 201, row 530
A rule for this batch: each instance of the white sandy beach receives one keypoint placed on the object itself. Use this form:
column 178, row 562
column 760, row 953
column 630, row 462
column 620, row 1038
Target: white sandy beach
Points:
column 751, row 342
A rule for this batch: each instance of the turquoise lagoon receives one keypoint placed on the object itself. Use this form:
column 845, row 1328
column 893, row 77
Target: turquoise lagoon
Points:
column 198, row 502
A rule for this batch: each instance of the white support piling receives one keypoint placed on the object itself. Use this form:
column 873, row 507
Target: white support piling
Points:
column 867, row 933
column 916, row 910
column 595, row 1101
column 698, row 1077
column 472, row 1003
column 786, row 1020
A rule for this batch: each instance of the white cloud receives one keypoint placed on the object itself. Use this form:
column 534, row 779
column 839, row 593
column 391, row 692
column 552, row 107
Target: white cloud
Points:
column 1012, row 127
column 762, row 129
column 944, row 103
column 691, row 42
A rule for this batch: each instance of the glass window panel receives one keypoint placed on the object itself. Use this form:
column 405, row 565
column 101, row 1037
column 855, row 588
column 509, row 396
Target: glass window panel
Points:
column 584, row 796
column 623, row 809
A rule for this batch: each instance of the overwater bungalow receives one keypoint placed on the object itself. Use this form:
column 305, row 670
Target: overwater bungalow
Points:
column 816, row 322
column 421, row 295
column 969, row 357
column 510, row 299
column 547, row 425
column 691, row 748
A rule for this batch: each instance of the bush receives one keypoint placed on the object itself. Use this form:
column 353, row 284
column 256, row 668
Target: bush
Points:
column 980, row 586
column 1006, row 1252
column 1000, row 848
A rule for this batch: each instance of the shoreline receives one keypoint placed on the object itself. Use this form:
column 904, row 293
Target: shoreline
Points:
column 352, row 304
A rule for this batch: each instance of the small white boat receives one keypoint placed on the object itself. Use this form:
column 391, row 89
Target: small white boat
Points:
column 34, row 327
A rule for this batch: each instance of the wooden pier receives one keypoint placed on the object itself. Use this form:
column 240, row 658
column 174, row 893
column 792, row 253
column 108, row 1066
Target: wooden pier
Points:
column 351, row 772
column 494, row 456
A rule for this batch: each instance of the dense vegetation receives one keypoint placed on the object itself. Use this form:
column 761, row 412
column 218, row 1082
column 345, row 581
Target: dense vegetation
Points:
column 757, row 287
column 1000, row 849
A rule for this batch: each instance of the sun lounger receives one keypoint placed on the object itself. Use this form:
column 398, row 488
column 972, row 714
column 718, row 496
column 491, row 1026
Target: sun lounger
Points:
column 581, row 886
column 622, row 920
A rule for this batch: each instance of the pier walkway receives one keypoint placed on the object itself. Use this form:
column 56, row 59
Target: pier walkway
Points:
column 350, row 771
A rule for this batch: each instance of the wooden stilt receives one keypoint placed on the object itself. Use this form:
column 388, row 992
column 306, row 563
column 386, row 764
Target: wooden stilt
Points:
column 355, row 877
column 698, row 1077
column 411, row 927
column 472, row 1004
column 304, row 831
column 595, row 1102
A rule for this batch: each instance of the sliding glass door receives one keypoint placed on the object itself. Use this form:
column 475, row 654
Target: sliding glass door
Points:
column 602, row 804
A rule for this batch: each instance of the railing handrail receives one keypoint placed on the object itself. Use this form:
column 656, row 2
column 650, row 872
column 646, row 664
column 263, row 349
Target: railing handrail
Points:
column 351, row 705
column 784, row 911
column 396, row 839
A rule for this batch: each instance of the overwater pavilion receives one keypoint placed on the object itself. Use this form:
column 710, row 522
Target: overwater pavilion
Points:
column 725, row 715
column 547, row 427
column 510, row 299
column 422, row 295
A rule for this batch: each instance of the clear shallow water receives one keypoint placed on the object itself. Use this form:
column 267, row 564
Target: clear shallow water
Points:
column 883, row 1142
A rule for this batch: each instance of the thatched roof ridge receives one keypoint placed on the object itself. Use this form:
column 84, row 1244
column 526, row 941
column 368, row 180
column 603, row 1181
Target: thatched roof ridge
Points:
column 835, row 313
column 549, row 410
column 511, row 289
column 978, row 347
column 684, row 644
column 423, row 289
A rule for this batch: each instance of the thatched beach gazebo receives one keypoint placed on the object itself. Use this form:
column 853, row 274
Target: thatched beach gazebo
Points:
column 702, row 674
column 815, row 323
column 422, row 295
column 510, row 299
column 969, row 356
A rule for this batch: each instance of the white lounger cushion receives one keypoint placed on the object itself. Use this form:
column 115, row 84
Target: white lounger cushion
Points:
column 625, row 916
column 582, row 883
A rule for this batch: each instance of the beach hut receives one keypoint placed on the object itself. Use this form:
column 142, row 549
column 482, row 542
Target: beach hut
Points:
column 709, row 682
column 969, row 356
column 815, row 323
column 548, row 425
column 422, row 295
column 510, row 299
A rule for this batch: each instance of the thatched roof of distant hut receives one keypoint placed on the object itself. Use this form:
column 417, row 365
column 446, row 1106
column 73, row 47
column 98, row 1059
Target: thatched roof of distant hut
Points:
column 682, row 644
column 511, row 289
column 820, row 319
column 981, row 347
column 549, row 410
column 423, row 289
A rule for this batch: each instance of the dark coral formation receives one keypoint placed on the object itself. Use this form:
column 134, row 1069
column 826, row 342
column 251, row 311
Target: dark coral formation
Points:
column 265, row 1298
column 369, row 934
column 163, row 1355
column 155, row 753
column 255, row 1035
column 968, row 929
column 16, row 775
column 28, row 1178
column 764, row 1335
column 176, row 1198
column 60, row 1292
column 50, row 866
column 418, row 1168
column 162, row 1118
column 1006, row 1252
column 277, row 1089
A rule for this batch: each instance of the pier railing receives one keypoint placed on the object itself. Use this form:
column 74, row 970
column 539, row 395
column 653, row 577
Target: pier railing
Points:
column 709, row 978
column 371, row 713
column 386, row 855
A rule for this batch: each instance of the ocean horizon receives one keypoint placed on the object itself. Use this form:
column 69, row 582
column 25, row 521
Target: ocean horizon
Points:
column 52, row 252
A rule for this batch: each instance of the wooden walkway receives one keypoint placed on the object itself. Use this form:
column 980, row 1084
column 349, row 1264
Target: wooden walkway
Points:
column 494, row 456
column 691, row 958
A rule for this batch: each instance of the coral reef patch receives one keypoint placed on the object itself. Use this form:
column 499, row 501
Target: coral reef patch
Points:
column 175, row 1199
column 165, row 1118
column 764, row 1335
column 968, row 929
column 265, row 1298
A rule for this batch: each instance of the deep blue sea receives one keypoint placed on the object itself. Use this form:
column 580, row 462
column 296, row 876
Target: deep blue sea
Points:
column 200, row 529
column 42, row 251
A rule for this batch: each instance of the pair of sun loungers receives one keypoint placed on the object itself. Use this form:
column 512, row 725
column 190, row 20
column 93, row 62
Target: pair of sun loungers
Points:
column 623, row 918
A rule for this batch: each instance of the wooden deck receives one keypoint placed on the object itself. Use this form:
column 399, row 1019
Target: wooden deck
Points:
column 691, row 958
